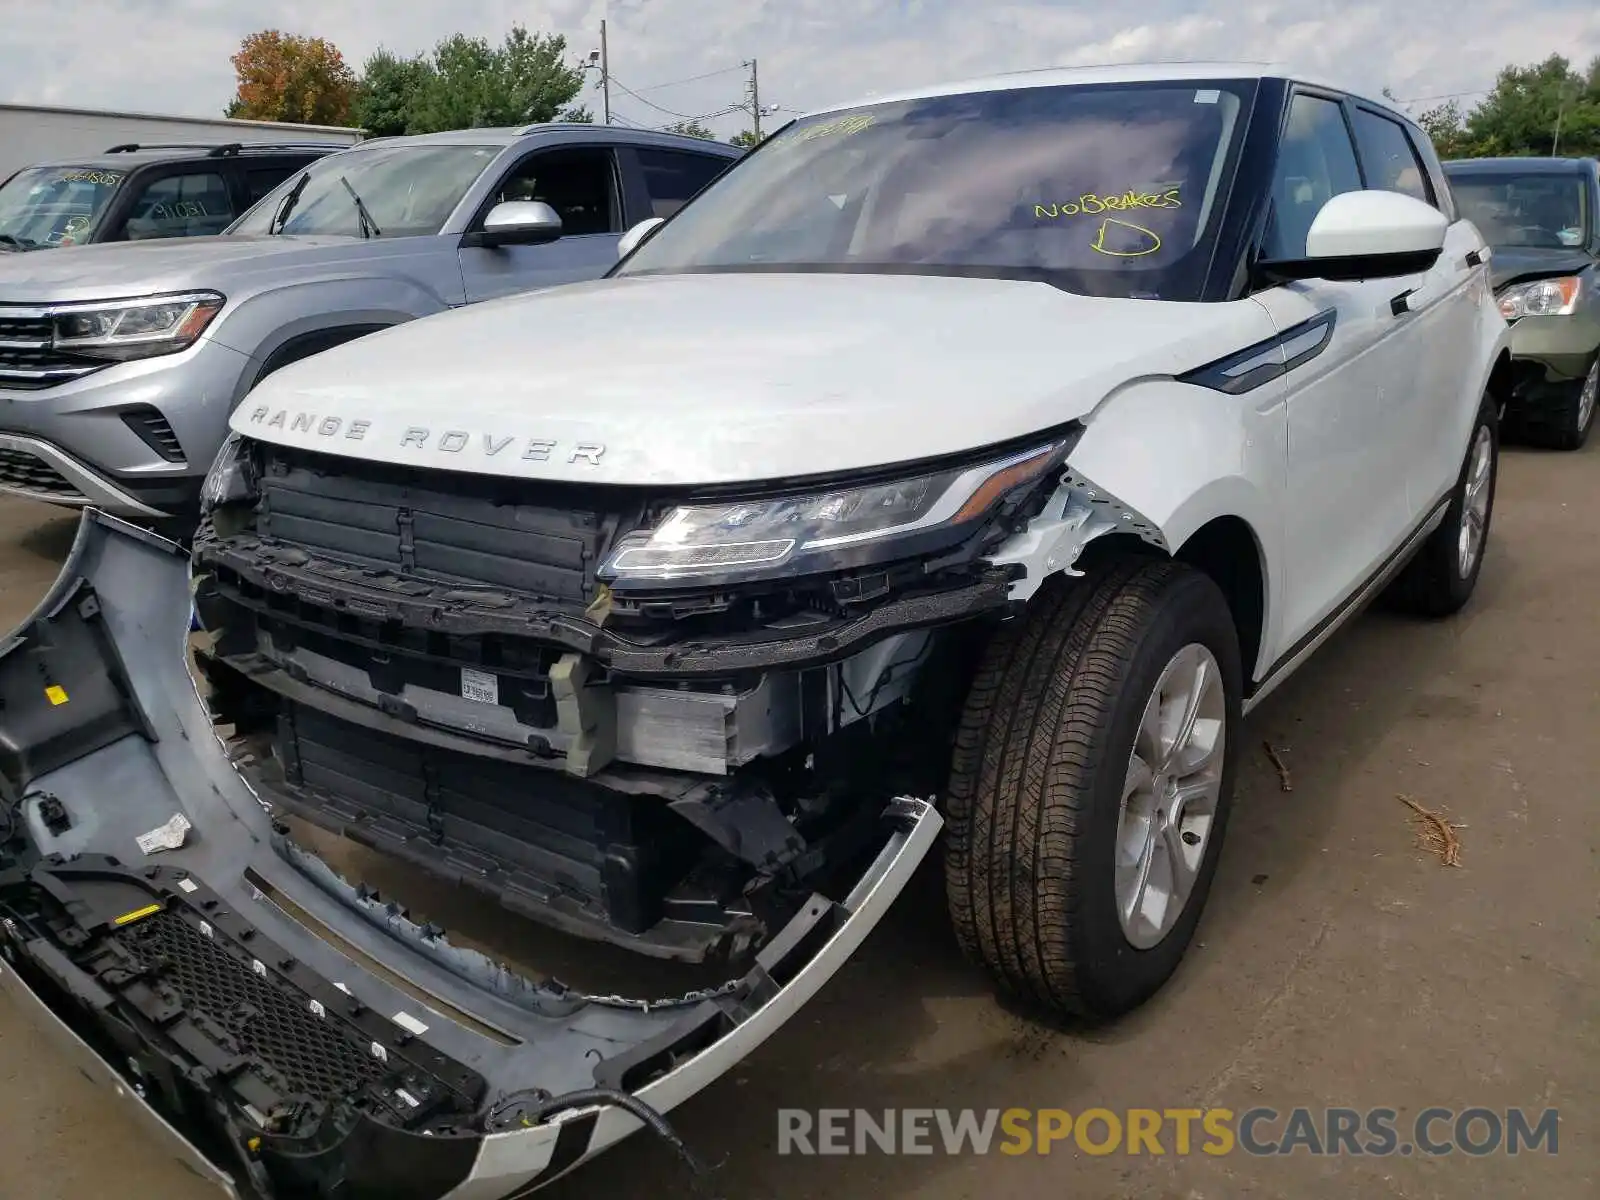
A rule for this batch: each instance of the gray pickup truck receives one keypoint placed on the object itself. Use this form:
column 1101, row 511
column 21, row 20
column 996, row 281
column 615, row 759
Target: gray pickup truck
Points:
column 120, row 363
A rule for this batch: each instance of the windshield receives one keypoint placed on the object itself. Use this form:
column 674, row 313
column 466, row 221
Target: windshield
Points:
column 384, row 191
column 1546, row 211
column 54, row 206
column 1103, row 189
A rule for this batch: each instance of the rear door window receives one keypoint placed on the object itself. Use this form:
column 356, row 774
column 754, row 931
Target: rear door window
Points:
column 671, row 177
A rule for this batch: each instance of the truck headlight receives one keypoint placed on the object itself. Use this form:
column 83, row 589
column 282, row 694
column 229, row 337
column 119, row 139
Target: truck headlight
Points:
column 1541, row 298
column 826, row 529
column 127, row 329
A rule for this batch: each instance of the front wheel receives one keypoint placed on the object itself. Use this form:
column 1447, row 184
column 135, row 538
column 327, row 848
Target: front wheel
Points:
column 1563, row 423
column 1091, row 785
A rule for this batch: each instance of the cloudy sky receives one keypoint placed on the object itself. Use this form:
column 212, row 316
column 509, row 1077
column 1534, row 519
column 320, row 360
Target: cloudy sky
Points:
column 171, row 56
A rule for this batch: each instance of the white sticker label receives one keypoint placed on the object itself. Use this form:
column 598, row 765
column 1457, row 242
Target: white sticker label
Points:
column 480, row 686
column 318, row 1010
column 188, row 885
column 408, row 1097
column 406, row 1021
column 165, row 837
column 1207, row 96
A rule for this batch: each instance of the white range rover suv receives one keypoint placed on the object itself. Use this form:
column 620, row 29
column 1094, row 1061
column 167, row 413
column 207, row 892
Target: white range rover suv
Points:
column 972, row 458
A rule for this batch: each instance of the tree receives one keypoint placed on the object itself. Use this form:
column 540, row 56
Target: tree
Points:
column 692, row 129
column 744, row 139
column 1530, row 105
column 389, row 87
column 471, row 84
column 1445, row 126
column 578, row 114
column 286, row 77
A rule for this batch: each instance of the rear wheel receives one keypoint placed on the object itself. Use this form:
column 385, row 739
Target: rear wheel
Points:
column 1440, row 579
column 1091, row 786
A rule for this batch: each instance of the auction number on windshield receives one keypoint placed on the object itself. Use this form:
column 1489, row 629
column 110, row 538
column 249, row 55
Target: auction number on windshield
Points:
column 103, row 178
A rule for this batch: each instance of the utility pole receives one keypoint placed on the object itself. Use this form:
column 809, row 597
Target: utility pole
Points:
column 755, row 99
column 1561, row 111
column 605, row 73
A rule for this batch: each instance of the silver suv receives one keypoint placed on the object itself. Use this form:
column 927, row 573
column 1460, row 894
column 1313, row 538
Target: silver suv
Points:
column 120, row 364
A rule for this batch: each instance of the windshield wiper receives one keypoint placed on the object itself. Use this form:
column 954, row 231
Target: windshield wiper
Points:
column 16, row 243
column 281, row 217
column 369, row 227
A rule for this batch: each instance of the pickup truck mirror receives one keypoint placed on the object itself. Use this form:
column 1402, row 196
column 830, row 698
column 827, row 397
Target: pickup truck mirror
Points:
column 630, row 240
column 518, row 223
column 1366, row 235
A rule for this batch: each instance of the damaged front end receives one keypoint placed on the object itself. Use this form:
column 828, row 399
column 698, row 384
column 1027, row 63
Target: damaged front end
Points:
column 652, row 718
column 292, row 1034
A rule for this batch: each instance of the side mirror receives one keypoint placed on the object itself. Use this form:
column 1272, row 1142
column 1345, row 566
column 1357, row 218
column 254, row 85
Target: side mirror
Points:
column 518, row 223
column 1367, row 235
column 630, row 240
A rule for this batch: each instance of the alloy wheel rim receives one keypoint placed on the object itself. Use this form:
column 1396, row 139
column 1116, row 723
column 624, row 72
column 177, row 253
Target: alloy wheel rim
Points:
column 1586, row 398
column 1475, row 503
column 1170, row 795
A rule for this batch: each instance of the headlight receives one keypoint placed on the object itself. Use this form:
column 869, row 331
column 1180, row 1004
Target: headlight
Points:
column 231, row 479
column 127, row 329
column 824, row 530
column 1542, row 298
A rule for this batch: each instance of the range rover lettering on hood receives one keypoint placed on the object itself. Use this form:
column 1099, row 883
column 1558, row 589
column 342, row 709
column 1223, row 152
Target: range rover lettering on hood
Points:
column 700, row 380
column 443, row 441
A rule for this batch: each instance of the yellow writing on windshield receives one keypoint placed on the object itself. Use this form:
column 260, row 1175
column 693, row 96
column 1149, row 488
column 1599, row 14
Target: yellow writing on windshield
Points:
column 1124, row 239
column 838, row 127
column 1093, row 204
column 104, row 178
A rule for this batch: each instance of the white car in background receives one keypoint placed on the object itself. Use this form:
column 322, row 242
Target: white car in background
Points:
column 969, row 458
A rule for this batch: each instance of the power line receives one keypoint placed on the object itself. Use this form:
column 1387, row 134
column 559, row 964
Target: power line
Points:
column 671, row 112
column 1443, row 96
column 656, row 87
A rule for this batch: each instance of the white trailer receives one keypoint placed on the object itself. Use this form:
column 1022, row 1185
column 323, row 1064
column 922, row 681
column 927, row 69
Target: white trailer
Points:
column 32, row 134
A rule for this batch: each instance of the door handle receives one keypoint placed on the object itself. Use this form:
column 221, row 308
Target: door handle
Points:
column 1401, row 304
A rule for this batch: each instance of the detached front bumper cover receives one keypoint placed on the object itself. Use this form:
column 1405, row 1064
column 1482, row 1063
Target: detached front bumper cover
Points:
column 281, row 1030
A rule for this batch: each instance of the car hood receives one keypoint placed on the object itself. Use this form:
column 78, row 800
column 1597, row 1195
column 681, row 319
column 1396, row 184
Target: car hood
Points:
column 1509, row 264
column 114, row 270
column 731, row 377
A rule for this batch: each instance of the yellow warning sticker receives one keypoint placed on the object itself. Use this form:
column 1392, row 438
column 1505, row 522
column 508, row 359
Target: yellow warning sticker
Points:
column 56, row 694
column 138, row 914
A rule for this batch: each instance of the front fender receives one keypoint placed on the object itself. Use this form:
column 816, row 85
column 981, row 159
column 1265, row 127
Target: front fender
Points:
column 1161, row 460
column 263, row 323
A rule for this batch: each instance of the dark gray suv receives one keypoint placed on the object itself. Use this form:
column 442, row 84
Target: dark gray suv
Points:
column 120, row 363
column 132, row 192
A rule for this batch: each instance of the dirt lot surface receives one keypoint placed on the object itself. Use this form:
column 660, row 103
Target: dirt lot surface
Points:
column 1337, row 965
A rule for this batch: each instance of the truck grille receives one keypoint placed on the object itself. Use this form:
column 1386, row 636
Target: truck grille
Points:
column 440, row 524
column 27, row 361
column 28, row 473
